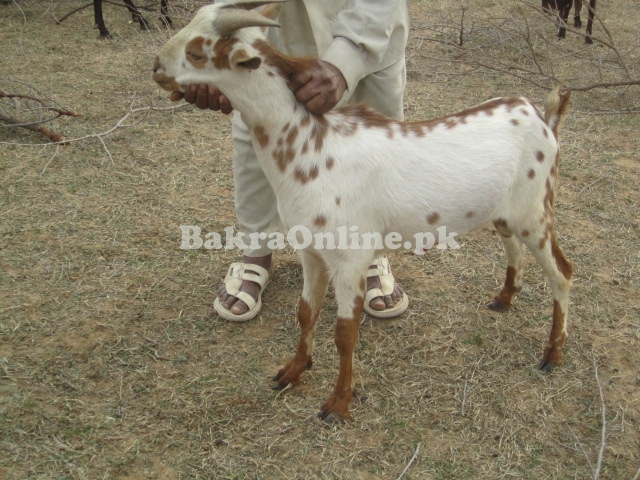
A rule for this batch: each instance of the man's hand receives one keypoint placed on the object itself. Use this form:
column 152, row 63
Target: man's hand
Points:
column 319, row 88
column 204, row 96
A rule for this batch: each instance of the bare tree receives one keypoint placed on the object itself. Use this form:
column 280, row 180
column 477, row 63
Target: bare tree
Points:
column 519, row 41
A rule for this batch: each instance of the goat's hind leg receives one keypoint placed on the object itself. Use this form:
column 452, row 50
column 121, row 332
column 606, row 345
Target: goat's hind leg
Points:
column 513, row 280
column 577, row 7
column 558, row 270
column 136, row 16
column 314, row 289
column 99, row 19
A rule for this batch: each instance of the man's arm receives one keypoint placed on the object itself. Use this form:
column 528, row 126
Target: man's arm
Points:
column 363, row 32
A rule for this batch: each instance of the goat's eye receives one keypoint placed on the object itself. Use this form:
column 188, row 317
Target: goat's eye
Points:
column 194, row 56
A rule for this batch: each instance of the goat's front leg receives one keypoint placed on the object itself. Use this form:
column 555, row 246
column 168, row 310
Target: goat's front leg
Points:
column 350, row 291
column 316, row 281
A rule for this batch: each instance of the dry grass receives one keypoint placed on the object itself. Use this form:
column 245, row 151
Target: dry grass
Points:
column 114, row 365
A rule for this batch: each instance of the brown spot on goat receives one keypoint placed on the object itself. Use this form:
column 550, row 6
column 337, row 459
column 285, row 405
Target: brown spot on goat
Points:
column 540, row 156
column 283, row 157
column 531, row 173
column 470, row 214
column 329, row 163
column 221, row 51
column 515, row 122
column 261, row 136
column 319, row 132
column 433, row 218
column 303, row 177
column 291, row 137
column 338, row 200
column 320, row 221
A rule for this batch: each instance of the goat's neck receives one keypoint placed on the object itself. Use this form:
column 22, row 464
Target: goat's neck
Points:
column 265, row 102
column 265, row 99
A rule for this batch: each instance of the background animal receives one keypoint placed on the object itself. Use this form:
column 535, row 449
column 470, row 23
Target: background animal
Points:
column 135, row 15
column 562, row 8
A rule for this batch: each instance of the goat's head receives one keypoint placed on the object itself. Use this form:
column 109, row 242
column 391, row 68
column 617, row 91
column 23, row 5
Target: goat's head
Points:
column 213, row 42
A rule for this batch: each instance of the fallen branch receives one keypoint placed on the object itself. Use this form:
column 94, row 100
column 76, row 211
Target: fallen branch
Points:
column 16, row 121
column 119, row 124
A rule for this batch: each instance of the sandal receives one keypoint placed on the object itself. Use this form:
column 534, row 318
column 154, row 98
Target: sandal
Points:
column 382, row 269
column 239, row 272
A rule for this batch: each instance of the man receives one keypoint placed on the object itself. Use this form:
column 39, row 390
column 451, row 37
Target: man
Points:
column 360, row 47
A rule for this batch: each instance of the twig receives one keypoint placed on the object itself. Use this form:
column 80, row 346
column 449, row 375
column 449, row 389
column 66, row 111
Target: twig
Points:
column 575, row 437
column 99, row 136
column 35, row 126
column 68, row 384
column 413, row 459
column 18, row 122
column 59, row 111
column 50, row 160
column 637, row 475
column 72, row 12
column 603, row 431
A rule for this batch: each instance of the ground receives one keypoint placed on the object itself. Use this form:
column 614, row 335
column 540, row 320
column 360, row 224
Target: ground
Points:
column 115, row 366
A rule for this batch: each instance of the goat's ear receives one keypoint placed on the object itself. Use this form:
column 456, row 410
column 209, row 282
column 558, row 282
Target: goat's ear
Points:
column 241, row 58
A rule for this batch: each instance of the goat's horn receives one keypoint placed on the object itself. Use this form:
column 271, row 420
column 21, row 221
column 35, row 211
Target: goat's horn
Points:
column 245, row 4
column 231, row 20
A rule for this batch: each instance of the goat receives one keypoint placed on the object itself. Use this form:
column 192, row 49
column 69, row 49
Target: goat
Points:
column 562, row 7
column 353, row 167
column 136, row 16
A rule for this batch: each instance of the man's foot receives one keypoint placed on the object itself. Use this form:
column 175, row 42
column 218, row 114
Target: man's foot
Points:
column 386, row 297
column 239, row 298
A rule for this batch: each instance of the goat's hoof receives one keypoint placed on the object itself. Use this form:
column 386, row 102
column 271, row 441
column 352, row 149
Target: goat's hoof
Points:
column 279, row 386
column 498, row 306
column 331, row 418
column 588, row 41
column 547, row 365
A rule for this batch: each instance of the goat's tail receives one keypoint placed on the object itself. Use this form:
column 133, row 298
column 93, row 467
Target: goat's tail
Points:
column 555, row 108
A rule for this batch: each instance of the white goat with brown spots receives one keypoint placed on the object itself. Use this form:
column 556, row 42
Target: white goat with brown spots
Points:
column 496, row 162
